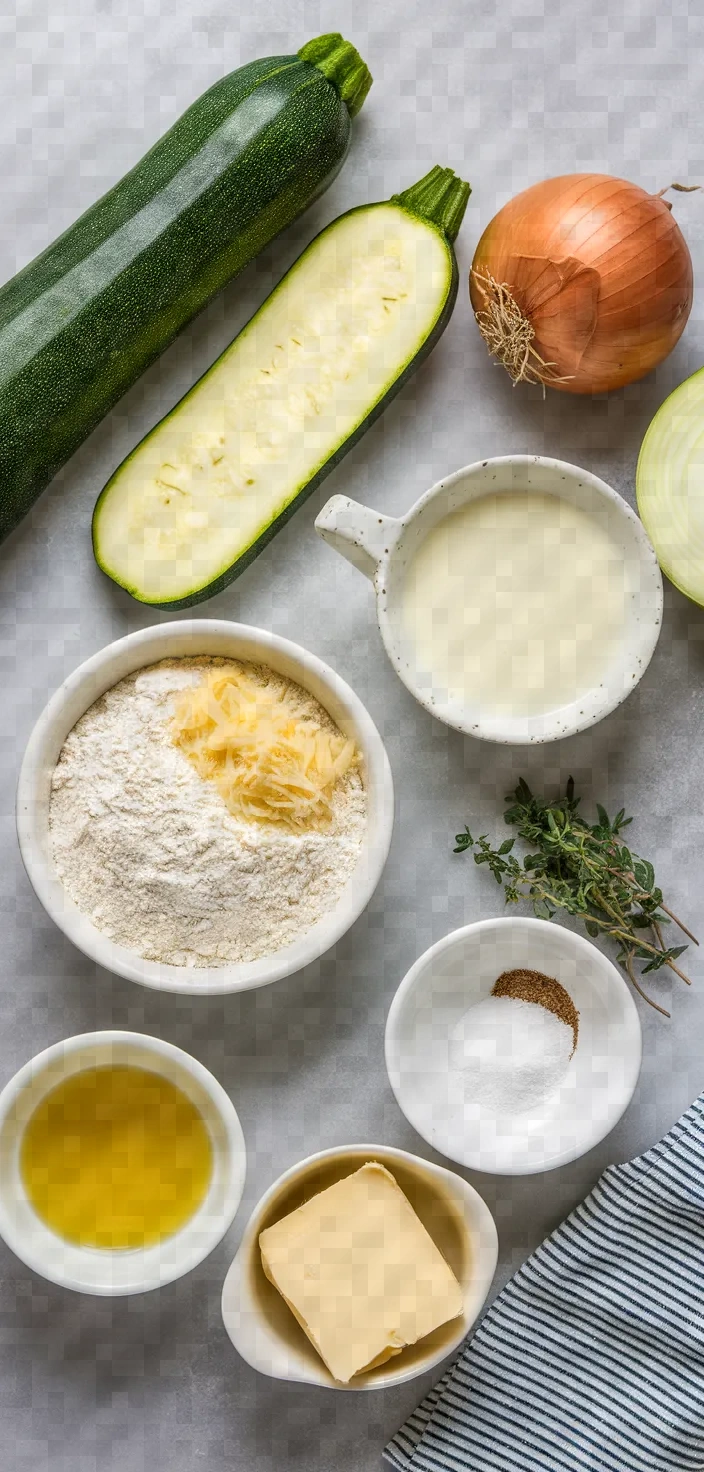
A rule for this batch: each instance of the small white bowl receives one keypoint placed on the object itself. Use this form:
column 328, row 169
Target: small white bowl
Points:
column 262, row 1327
column 460, row 971
column 114, row 1273
column 382, row 547
column 187, row 639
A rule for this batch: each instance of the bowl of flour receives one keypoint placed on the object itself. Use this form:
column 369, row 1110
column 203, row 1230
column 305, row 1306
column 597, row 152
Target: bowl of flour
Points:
column 136, row 856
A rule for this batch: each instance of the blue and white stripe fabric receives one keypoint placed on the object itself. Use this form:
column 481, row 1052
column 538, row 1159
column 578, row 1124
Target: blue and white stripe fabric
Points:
column 592, row 1357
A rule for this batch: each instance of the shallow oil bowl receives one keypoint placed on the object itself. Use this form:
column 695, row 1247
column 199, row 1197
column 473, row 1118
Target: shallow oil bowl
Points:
column 383, row 548
column 187, row 639
column 113, row 1273
column 460, row 971
column 262, row 1327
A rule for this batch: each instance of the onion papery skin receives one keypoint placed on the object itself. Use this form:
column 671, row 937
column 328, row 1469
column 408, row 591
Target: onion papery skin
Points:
column 600, row 269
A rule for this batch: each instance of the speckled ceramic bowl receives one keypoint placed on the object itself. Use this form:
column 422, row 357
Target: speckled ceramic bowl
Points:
column 181, row 639
column 382, row 547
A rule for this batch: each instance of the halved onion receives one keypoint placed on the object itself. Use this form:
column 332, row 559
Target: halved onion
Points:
column 670, row 486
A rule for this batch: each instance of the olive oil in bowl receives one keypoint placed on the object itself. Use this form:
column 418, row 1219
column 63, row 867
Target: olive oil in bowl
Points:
column 116, row 1157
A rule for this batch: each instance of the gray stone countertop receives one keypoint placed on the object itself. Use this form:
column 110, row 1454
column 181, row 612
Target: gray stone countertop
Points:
column 506, row 95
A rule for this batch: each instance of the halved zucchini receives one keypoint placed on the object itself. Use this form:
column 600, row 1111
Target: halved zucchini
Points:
column 670, row 486
column 212, row 483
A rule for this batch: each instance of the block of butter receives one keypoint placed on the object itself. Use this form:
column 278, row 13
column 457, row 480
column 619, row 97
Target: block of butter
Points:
column 359, row 1271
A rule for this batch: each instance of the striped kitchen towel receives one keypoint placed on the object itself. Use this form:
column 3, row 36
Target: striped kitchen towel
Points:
column 592, row 1357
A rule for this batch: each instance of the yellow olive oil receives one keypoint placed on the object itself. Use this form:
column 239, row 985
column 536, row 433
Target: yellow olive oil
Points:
column 116, row 1157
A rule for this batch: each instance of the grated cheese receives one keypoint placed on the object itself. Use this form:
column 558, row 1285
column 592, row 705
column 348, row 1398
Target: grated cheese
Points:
column 243, row 730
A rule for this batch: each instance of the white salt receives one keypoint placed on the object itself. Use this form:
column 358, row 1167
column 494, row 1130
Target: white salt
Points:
column 510, row 1054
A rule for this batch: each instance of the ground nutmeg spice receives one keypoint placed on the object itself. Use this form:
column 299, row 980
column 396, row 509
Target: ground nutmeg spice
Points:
column 534, row 986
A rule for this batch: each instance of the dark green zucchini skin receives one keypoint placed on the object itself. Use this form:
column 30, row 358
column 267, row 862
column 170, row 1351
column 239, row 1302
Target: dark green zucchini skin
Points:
column 83, row 320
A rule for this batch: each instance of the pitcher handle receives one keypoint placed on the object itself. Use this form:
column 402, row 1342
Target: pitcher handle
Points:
column 357, row 532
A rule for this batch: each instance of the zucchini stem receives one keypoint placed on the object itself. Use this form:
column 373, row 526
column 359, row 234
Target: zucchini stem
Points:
column 439, row 197
column 342, row 64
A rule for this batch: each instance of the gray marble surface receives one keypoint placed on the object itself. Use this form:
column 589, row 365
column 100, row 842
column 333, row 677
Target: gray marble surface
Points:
column 544, row 87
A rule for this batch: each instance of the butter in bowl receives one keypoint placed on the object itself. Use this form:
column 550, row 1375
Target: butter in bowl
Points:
column 360, row 1268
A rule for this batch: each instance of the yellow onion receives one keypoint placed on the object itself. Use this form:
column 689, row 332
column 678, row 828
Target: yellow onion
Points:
column 583, row 283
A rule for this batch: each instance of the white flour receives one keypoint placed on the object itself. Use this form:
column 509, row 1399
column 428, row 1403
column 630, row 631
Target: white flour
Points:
column 148, row 851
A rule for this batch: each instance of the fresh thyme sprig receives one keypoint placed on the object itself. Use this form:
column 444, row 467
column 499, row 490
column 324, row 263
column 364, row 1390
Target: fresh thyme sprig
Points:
column 586, row 870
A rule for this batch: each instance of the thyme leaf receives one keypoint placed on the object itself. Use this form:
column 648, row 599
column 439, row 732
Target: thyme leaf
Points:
column 585, row 870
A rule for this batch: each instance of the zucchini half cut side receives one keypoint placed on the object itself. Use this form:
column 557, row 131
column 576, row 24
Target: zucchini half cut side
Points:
column 214, row 481
column 670, row 486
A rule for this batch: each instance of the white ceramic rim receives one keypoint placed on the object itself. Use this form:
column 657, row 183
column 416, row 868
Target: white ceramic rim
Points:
column 583, row 947
column 188, row 638
column 154, row 1048
column 564, row 721
column 482, row 1220
column 373, row 545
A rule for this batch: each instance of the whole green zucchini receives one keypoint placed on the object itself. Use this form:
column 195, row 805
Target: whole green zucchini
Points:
column 210, row 485
column 81, row 322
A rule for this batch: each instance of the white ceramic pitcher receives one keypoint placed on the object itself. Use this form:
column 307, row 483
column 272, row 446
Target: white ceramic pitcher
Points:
column 382, row 547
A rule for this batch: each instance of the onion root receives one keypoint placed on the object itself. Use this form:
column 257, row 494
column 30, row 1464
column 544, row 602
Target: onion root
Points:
column 582, row 283
column 509, row 334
